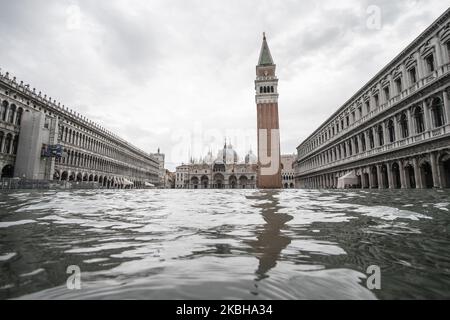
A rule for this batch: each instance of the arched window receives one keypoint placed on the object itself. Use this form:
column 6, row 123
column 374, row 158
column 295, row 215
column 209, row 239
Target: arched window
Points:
column 437, row 112
column 12, row 113
column 260, row 89
column 380, row 135
column 418, row 118
column 15, row 145
column 3, row 110
column 8, row 142
column 271, row 89
column 363, row 142
column 391, row 131
column 404, row 125
column 356, row 145
column 265, row 89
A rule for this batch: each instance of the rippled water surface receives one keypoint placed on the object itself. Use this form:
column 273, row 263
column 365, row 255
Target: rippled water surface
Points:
column 211, row 244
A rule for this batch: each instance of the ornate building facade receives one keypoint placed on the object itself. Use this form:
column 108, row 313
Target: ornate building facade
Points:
column 268, row 134
column 222, row 172
column 42, row 140
column 395, row 131
column 288, row 171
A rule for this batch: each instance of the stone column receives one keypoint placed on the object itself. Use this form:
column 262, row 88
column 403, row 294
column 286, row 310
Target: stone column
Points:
column 358, row 138
column 417, row 175
column 363, row 179
column 371, row 182
column 426, row 116
column 366, row 136
column 410, row 122
column 390, row 176
column 380, row 177
column 398, row 135
column 434, row 169
column 446, row 106
column 385, row 132
column 352, row 142
column 421, row 72
column 403, row 183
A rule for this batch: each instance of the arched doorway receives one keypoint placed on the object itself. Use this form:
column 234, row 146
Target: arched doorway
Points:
column 396, row 175
column 194, row 182
column 205, row 182
column 8, row 171
column 65, row 176
column 410, row 177
column 218, row 181
column 243, row 181
column 384, row 176
column 426, row 175
column 232, row 181
column 374, row 173
column 291, row 185
column 444, row 166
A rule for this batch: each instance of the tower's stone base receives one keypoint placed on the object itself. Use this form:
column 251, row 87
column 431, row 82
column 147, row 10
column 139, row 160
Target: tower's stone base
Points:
column 269, row 182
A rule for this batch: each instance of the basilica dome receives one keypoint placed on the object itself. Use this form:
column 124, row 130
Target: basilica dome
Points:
column 251, row 158
column 227, row 155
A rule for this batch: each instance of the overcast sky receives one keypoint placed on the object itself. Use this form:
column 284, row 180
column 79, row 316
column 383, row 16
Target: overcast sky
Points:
column 179, row 75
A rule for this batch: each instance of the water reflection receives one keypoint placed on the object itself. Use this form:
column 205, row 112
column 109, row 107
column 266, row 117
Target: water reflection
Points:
column 271, row 240
column 228, row 244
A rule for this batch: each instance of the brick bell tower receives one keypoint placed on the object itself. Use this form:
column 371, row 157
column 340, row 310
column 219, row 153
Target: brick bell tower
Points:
column 269, row 158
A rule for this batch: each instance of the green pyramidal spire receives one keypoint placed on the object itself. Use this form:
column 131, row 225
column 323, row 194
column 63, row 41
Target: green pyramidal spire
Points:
column 265, row 58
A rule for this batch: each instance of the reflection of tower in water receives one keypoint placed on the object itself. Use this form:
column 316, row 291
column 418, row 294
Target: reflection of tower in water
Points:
column 270, row 240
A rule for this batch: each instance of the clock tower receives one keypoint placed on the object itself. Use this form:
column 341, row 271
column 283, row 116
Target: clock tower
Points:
column 266, row 86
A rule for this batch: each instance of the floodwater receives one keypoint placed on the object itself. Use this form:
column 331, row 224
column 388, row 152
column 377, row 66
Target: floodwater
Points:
column 225, row 244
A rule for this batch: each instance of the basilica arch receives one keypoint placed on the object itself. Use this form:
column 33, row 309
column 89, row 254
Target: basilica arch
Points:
column 219, row 181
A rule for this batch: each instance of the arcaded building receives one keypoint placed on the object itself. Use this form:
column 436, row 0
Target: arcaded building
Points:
column 41, row 140
column 395, row 131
